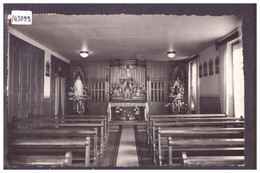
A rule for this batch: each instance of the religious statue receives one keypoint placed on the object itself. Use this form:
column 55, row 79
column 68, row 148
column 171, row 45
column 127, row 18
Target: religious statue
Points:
column 176, row 97
column 79, row 95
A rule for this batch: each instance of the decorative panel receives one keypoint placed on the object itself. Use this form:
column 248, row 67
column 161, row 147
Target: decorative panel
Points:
column 98, row 91
column 127, row 80
column 25, row 78
column 157, row 91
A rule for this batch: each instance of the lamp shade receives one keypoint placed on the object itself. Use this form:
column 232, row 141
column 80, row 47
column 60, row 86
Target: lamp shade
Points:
column 84, row 54
column 171, row 54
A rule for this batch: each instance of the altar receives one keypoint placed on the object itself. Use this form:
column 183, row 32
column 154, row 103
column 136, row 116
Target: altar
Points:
column 125, row 111
column 127, row 90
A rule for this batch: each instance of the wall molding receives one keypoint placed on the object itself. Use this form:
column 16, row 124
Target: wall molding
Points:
column 35, row 43
column 235, row 34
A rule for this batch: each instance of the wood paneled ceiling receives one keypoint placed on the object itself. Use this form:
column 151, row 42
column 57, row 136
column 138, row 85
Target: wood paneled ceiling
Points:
column 128, row 36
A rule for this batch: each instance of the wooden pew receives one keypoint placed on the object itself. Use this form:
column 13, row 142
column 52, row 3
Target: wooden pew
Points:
column 104, row 118
column 73, row 119
column 189, row 116
column 182, row 124
column 44, row 125
column 151, row 118
column 61, row 119
column 40, row 160
column 201, row 133
column 74, row 134
column 196, row 119
column 192, row 119
column 39, row 149
column 206, row 152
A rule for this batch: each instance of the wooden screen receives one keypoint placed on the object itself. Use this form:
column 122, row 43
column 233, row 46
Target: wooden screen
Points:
column 25, row 76
column 157, row 91
column 98, row 91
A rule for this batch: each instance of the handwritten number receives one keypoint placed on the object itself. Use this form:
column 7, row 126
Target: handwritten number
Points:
column 21, row 18
column 29, row 18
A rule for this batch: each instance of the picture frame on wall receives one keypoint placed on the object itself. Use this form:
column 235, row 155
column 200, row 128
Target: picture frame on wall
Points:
column 200, row 70
column 217, row 65
column 205, row 68
column 211, row 67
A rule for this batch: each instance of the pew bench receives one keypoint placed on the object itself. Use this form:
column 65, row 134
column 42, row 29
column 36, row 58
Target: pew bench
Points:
column 206, row 152
column 68, row 119
column 104, row 118
column 161, row 143
column 74, row 134
column 27, row 161
column 41, row 149
column 190, row 116
column 152, row 135
column 183, row 117
column 212, row 121
column 64, row 119
column 49, row 125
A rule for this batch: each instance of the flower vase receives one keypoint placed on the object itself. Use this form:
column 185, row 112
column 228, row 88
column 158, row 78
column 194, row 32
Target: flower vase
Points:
column 80, row 107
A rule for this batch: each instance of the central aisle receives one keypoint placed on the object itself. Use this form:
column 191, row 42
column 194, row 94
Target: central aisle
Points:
column 127, row 155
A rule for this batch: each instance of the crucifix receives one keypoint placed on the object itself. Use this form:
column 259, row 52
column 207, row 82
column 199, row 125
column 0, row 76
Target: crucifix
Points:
column 128, row 73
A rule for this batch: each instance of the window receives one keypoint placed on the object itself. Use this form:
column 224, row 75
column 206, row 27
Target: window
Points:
column 238, row 79
column 193, row 84
column 98, row 91
column 157, row 91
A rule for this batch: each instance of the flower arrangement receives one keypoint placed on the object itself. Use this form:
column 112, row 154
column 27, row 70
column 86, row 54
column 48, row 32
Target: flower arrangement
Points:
column 127, row 113
column 79, row 95
column 176, row 98
column 126, row 85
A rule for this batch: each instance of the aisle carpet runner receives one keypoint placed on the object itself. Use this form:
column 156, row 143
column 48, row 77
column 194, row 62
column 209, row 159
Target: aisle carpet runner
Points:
column 134, row 147
column 127, row 155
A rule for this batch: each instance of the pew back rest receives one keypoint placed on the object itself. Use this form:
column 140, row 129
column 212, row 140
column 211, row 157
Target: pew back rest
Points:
column 74, row 134
column 207, row 150
column 189, row 116
column 161, row 143
column 27, row 161
column 41, row 146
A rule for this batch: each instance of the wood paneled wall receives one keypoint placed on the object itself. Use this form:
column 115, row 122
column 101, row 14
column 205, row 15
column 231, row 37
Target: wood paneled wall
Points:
column 159, row 75
column 96, row 70
column 25, row 79
column 60, row 68
column 158, row 70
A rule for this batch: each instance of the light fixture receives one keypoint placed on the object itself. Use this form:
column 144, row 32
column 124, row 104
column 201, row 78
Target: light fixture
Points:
column 84, row 54
column 171, row 54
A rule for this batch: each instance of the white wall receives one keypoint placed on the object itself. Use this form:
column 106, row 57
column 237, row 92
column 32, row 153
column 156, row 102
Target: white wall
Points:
column 209, row 85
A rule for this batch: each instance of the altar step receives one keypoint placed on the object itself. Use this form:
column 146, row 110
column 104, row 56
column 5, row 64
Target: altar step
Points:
column 114, row 125
column 141, row 128
column 114, row 128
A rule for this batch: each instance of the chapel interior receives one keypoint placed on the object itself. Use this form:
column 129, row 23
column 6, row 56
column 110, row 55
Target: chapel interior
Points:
column 125, row 91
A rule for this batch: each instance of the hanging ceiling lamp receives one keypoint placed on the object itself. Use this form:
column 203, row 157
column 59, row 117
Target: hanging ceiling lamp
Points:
column 171, row 54
column 84, row 54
